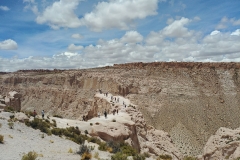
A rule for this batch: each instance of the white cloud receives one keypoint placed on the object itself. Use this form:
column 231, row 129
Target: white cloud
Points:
column 236, row 33
column 226, row 21
column 157, row 46
column 214, row 32
column 60, row 14
column 77, row 36
column 4, row 8
column 177, row 28
column 119, row 14
column 8, row 45
column 132, row 37
column 196, row 18
column 73, row 47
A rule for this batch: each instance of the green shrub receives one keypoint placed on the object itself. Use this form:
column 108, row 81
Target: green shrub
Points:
column 119, row 156
column 165, row 157
column 74, row 130
column 8, row 109
column 91, row 124
column 1, row 138
column 103, row 146
column 115, row 146
column 189, row 158
column 40, row 124
column 30, row 156
column 11, row 125
column 94, row 140
column 86, row 132
column 139, row 157
column 83, row 149
column 12, row 116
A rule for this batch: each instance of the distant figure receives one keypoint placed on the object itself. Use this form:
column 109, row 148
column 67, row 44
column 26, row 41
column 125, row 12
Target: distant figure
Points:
column 83, row 118
column 34, row 113
column 117, row 111
column 42, row 114
column 98, row 114
column 105, row 114
column 125, row 105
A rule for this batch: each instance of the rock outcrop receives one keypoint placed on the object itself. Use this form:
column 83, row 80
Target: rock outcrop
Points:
column 190, row 101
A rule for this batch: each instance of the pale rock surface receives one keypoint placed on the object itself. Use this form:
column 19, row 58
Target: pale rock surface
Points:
column 224, row 144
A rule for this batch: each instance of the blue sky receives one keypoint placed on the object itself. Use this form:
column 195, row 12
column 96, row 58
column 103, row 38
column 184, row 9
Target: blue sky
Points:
column 66, row 34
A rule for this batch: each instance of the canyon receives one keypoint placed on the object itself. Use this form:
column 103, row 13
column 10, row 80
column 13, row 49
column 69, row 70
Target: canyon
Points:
column 188, row 100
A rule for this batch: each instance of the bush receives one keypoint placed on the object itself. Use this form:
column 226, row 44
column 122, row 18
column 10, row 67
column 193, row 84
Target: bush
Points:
column 30, row 156
column 91, row 124
column 12, row 116
column 139, row 157
column 114, row 120
column 165, row 157
column 1, row 138
column 115, row 146
column 103, row 146
column 40, row 124
column 11, row 125
column 86, row 156
column 83, row 149
column 8, row 109
column 74, row 130
column 119, row 156
column 189, row 158
column 86, row 132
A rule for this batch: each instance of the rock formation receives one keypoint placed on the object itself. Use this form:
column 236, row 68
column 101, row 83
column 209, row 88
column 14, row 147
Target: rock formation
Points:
column 13, row 100
column 190, row 101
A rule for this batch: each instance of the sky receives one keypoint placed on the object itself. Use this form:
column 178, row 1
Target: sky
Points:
column 76, row 34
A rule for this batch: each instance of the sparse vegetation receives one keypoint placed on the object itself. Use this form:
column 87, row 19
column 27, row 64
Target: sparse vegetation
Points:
column 8, row 109
column 40, row 124
column 189, row 158
column 164, row 157
column 91, row 124
column 96, row 155
column 70, row 150
column 11, row 125
column 30, row 156
column 12, row 117
column 114, row 120
column 1, row 138
column 86, row 132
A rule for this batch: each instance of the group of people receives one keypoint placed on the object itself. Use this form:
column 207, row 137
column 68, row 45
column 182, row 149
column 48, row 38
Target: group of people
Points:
column 35, row 113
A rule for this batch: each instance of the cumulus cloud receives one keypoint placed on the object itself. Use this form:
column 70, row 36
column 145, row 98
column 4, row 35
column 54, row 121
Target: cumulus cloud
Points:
column 77, row 36
column 225, row 21
column 8, row 44
column 105, row 15
column 73, row 47
column 134, row 47
column 177, row 28
column 119, row 14
column 4, row 8
column 132, row 37
column 60, row 14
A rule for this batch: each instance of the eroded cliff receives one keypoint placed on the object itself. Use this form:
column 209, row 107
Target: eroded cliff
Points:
column 190, row 101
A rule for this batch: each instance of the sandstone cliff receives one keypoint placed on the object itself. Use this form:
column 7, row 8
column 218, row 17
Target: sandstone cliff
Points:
column 190, row 101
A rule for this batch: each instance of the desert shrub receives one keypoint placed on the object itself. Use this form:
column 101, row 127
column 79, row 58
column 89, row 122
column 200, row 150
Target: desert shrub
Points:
column 30, row 156
column 57, row 131
column 139, row 157
column 1, row 138
column 96, row 155
column 94, row 140
column 74, row 130
column 103, row 146
column 146, row 154
column 115, row 146
column 189, row 158
column 46, row 120
column 91, row 124
column 70, row 150
column 12, row 116
column 83, row 149
column 119, row 156
column 40, row 124
column 114, row 120
column 165, row 157
column 11, row 125
column 86, row 132
column 8, row 109
column 86, row 156
column 58, row 116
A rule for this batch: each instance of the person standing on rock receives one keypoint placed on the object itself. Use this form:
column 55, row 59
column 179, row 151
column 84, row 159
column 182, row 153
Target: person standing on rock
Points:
column 42, row 114
column 105, row 114
column 34, row 113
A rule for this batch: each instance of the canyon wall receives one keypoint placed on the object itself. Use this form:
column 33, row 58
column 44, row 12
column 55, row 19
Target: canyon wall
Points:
column 190, row 101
